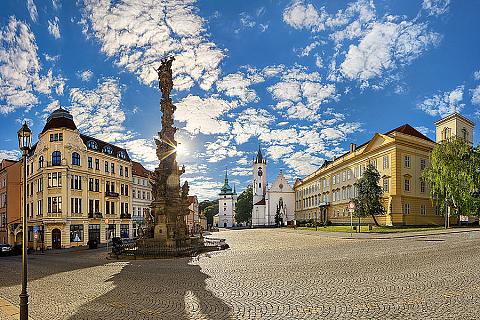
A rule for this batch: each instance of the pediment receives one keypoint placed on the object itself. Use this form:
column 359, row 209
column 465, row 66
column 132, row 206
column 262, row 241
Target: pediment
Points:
column 377, row 141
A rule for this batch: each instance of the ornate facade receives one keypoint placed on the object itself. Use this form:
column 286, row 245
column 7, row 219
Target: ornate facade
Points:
column 78, row 187
column 400, row 156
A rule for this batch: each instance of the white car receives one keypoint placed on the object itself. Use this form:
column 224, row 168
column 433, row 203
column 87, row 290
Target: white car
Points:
column 5, row 248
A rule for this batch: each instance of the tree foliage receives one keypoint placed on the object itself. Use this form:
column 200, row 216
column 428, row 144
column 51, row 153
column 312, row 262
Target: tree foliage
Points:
column 454, row 176
column 244, row 205
column 369, row 194
column 209, row 208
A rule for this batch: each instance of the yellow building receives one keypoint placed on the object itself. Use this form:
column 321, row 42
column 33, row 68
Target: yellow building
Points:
column 78, row 187
column 400, row 156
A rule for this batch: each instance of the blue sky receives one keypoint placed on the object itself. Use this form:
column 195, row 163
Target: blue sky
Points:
column 301, row 78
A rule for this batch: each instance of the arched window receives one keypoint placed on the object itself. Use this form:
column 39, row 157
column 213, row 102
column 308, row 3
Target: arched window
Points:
column 40, row 162
column 92, row 145
column 75, row 159
column 107, row 150
column 446, row 133
column 56, row 158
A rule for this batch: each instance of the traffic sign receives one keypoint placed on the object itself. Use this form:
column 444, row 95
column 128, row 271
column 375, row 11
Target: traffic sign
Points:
column 351, row 205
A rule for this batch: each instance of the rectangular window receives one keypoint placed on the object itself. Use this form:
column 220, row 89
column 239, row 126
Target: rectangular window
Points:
column 76, row 205
column 54, row 179
column 126, row 190
column 107, row 186
column 91, row 208
column 423, row 164
column 423, row 209
column 76, row 233
column 407, row 161
column 90, row 163
column 97, row 185
column 385, row 185
column 406, row 208
column 40, row 207
column 60, row 137
column 40, row 185
column 407, row 184
column 106, row 166
column 51, row 137
column 54, row 204
column 422, row 186
column 385, row 162
column 112, row 207
column 76, row 182
column 122, row 189
column 126, row 172
column 90, row 184
column 97, row 205
column 97, row 164
column 121, row 171
column 113, row 168
column 107, row 207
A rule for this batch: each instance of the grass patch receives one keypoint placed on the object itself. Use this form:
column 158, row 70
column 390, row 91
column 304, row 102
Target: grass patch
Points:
column 375, row 229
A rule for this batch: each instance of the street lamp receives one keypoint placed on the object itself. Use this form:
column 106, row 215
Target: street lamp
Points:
column 24, row 143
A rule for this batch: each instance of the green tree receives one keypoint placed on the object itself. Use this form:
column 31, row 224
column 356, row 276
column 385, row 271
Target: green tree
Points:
column 243, row 212
column 369, row 194
column 209, row 208
column 454, row 176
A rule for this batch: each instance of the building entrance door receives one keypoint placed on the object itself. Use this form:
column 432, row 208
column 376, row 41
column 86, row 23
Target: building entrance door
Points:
column 94, row 232
column 56, row 239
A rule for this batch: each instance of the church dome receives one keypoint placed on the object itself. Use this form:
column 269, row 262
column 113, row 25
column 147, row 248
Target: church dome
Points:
column 60, row 118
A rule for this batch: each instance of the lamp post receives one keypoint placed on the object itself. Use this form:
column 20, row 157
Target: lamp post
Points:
column 24, row 143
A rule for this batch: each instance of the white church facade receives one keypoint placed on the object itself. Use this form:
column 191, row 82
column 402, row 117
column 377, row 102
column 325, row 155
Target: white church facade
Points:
column 274, row 205
column 227, row 202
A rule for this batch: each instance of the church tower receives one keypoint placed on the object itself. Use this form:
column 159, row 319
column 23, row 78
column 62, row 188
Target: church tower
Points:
column 227, row 203
column 454, row 125
column 259, row 167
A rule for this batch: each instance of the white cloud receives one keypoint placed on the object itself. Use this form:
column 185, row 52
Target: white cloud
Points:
column 86, row 75
column 476, row 75
column 98, row 112
column 32, row 10
column 386, row 46
column 246, row 20
column 20, row 77
column 424, row 130
column 238, row 85
column 435, row 7
column 303, row 163
column 443, row 103
column 137, row 40
column 476, row 95
column 277, row 152
column 251, row 122
column 220, row 149
column 9, row 154
column 301, row 15
column 53, row 28
column 204, row 115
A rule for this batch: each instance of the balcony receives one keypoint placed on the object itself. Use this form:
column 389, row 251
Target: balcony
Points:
column 125, row 216
column 111, row 194
column 95, row 215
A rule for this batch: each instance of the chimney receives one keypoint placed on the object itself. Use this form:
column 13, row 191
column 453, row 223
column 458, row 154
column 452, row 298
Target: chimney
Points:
column 353, row 147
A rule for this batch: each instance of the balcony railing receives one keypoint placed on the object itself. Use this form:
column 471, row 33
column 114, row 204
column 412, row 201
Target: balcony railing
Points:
column 111, row 194
column 125, row 216
column 95, row 215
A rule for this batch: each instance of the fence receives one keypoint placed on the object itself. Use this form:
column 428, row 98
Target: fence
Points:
column 139, row 248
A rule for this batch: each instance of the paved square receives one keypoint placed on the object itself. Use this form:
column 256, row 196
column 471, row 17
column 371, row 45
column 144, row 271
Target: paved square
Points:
column 267, row 274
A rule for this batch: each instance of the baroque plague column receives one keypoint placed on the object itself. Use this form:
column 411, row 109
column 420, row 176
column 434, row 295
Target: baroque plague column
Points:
column 170, row 202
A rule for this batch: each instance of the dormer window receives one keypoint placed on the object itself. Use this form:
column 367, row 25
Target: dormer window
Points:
column 122, row 155
column 92, row 145
column 108, row 150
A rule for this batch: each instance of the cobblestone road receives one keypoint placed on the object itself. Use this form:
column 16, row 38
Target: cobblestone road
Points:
column 267, row 274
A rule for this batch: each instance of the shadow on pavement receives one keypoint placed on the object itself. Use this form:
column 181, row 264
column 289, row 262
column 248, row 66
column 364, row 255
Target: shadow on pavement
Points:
column 157, row 289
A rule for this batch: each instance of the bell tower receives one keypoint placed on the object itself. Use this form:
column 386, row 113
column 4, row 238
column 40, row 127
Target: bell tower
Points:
column 259, row 167
column 454, row 125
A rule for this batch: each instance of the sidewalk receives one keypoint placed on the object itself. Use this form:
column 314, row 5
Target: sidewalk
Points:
column 9, row 311
column 372, row 235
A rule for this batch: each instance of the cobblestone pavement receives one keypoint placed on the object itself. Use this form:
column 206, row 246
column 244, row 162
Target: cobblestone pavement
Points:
column 267, row 274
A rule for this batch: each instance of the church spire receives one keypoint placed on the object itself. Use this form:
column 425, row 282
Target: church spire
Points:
column 259, row 158
column 226, row 176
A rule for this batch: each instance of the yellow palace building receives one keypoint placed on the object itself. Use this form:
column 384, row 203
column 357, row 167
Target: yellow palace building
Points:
column 78, row 187
column 400, row 156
